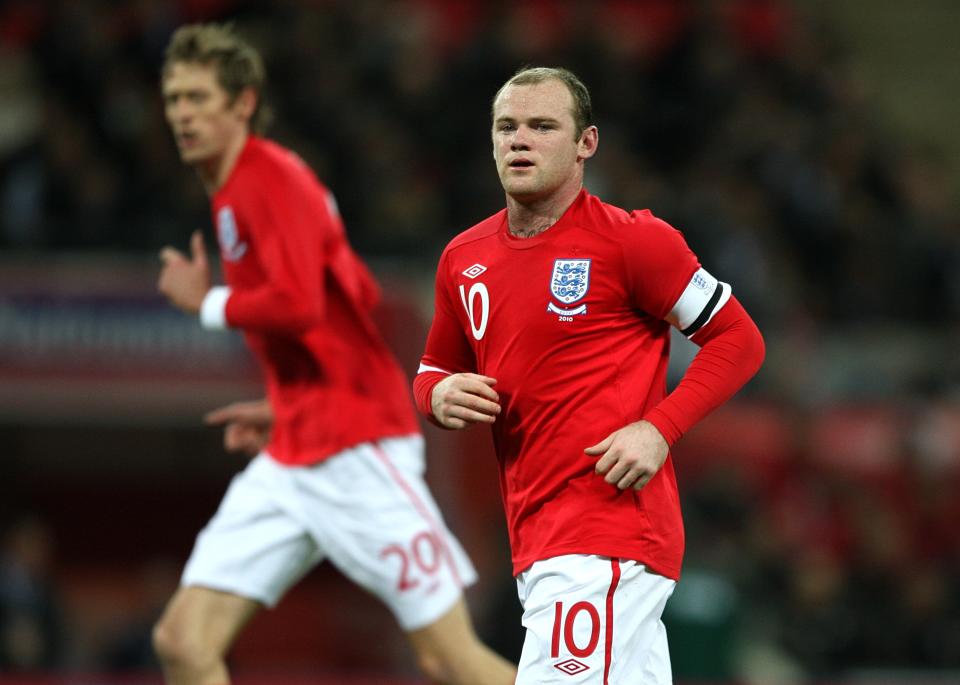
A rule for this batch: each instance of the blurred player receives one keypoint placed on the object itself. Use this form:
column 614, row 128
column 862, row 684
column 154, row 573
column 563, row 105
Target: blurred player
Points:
column 552, row 324
column 341, row 477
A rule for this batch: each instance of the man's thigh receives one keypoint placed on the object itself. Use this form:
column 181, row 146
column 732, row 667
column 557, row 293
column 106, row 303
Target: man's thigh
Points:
column 372, row 515
column 253, row 547
column 593, row 620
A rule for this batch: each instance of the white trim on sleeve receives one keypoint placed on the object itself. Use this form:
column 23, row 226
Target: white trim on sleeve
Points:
column 424, row 368
column 213, row 310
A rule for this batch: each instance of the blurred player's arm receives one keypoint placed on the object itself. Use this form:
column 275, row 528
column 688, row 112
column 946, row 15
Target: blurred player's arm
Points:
column 185, row 280
column 446, row 390
column 246, row 425
column 289, row 251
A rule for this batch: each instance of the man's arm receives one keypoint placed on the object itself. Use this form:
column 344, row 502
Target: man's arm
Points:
column 287, row 232
column 731, row 352
column 445, row 390
column 246, row 425
column 185, row 281
column 287, row 227
column 665, row 279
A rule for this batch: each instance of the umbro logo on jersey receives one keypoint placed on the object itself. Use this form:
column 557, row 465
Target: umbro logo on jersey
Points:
column 571, row 667
column 474, row 271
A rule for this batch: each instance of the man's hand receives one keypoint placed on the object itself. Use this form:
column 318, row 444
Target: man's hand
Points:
column 463, row 399
column 631, row 455
column 184, row 281
column 246, row 425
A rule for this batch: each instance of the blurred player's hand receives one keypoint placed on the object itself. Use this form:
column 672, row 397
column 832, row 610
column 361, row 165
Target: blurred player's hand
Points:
column 631, row 456
column 184, row 281
column 463, row 399
column 246, row 425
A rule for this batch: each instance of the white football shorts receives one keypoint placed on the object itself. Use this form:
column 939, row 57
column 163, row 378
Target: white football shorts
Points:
column 593, row 620
column 366, row 509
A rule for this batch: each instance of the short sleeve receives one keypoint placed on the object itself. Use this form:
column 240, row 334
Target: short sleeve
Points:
column 665, row 278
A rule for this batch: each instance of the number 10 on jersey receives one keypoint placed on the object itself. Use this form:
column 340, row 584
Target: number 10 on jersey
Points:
column 469, row 300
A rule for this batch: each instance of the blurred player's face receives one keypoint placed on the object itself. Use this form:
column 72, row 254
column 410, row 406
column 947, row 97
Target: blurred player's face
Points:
column 204, row 120
column 534, row 142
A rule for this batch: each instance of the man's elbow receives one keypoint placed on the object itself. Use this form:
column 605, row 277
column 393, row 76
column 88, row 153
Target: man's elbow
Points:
column 756, row 349
column 300, row 315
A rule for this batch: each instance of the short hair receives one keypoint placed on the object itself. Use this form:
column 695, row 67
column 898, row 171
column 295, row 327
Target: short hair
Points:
column 529, row 76
column 238, row 64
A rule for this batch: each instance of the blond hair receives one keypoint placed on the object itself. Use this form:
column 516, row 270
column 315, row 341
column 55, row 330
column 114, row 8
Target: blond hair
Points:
column 238, row 64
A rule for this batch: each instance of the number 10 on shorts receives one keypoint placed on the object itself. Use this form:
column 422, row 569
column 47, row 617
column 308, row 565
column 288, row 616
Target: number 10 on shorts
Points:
column 564, row 623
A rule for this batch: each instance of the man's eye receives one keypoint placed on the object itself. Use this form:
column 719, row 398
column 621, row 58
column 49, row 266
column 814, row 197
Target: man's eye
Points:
column 506, row 127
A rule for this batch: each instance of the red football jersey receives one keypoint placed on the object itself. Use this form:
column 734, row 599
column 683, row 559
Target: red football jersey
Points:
column 303, row 300
column 573, row 324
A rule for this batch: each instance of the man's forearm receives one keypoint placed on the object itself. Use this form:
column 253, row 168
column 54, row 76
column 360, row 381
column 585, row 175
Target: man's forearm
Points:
column 731, row 352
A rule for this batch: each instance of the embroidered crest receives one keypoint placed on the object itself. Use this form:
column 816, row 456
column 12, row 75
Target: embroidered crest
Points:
column 231, row 247
column 568, row 284
column 570, row 280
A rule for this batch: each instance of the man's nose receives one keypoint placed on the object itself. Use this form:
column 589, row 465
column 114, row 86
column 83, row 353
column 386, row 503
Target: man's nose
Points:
column 180, row 111
column 520, row 139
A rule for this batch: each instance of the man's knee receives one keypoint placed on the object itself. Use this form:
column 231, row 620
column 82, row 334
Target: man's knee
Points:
column 454, row 659
column 438, row 665
column 175, row 648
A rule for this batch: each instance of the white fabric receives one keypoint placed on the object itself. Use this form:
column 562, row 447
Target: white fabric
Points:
column 424, row 368
column 366, row 509
column 695, row 297
column 213, row 309
column 638, row 648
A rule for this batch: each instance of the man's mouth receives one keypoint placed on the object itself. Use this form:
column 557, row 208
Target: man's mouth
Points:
column 521, row 164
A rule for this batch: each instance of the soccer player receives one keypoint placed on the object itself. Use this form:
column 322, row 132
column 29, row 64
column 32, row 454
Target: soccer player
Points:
column 341, row 477
column 552, row 322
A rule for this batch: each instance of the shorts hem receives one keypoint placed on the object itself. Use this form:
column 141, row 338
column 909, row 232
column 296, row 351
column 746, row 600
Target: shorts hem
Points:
column 231, row 588
column 427, row 618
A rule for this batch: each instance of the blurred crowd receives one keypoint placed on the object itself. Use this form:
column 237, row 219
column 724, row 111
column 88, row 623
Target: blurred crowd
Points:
column 741, row 122
column 819, row 543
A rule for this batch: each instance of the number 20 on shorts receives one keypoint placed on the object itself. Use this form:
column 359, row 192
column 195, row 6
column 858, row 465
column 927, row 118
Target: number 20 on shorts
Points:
column 421, row 557
column 564, row 623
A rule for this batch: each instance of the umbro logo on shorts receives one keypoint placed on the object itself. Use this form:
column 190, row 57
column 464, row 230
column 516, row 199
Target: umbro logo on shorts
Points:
column 571, row 666
column 474, row 271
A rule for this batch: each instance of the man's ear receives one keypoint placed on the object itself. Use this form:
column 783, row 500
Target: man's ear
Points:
column 589, row 140
column 246, row 103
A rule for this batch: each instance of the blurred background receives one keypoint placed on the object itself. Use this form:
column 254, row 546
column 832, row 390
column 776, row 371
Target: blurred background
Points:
column 809, row 152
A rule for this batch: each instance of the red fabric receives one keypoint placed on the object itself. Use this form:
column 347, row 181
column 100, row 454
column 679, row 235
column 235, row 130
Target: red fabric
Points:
column 565, row 383
column 608, row 638
column 423, row 386
column 731, row 353
column 303, row 300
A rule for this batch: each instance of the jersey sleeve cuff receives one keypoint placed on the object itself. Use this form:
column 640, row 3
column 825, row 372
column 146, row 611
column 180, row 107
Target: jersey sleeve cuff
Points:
column 213, row 310
column 663, row 423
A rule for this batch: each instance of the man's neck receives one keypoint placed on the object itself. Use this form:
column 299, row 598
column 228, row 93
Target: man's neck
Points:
column 527, row 219
column 215, row 171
